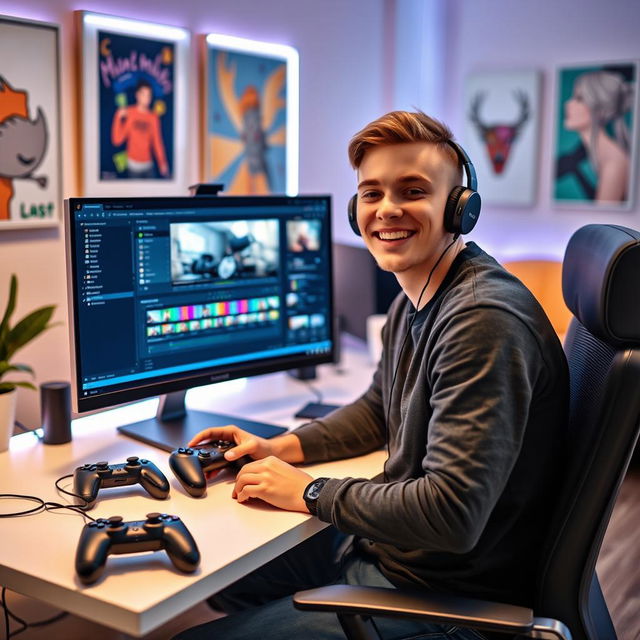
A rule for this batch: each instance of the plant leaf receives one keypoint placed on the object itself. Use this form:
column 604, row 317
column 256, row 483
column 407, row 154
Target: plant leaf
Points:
column 27, row 329
column 10, row 386
column 6, row 367
column 11, row 305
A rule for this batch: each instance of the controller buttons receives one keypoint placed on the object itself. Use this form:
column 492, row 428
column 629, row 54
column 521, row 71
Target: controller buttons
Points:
column 102, row 464
column 182, row 450
column 93, row 524
column 153, row 517
column 133, row 460
column 115, row 521
column 189, row 451
column 203, row 453
column 100, row 525
column 143, row 461
column 174, row 518
column 87, row 465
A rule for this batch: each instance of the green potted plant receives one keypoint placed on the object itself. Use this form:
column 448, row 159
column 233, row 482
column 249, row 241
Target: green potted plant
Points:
column 13, row 338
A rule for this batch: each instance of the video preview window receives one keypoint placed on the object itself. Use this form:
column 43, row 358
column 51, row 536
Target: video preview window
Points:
column 229, row 250
column 303, row 235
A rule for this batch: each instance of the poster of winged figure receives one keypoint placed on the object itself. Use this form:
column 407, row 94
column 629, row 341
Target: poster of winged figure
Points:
column 246, row 122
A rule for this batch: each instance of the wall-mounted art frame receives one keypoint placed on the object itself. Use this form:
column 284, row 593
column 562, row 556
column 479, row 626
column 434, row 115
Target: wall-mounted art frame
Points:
column 501, row 134
column 250, row 115
column 596, row 131
column 30, row 159
column 135, row 85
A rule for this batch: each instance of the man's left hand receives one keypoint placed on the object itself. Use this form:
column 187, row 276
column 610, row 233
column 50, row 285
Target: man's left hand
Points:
column 274, row 481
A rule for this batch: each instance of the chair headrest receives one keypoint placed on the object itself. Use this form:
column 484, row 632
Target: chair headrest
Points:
column 601, row 281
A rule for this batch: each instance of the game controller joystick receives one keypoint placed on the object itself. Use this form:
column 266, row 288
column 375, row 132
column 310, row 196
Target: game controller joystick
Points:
column 108, row 536
column 90, row 478
column 189, row 464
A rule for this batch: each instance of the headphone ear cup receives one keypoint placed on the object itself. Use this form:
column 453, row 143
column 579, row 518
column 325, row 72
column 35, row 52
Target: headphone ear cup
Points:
column 352, row 212
column 451, row 221
column 462, row 210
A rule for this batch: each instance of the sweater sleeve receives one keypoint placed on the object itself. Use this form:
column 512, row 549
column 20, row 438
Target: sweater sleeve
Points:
column 352, row 430
column 479, row 377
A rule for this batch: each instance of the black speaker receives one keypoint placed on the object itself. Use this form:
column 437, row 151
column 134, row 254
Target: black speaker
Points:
column 55, row 404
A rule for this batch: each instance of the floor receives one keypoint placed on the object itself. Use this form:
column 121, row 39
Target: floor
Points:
column 618, row 570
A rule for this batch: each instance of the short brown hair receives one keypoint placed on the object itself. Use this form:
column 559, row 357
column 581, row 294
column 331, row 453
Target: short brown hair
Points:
column 397, row 127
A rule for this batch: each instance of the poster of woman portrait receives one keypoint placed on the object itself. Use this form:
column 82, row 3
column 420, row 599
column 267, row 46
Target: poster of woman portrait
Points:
column 30, row 166
column 595, row 155
column 135, row 77
column 251, row 116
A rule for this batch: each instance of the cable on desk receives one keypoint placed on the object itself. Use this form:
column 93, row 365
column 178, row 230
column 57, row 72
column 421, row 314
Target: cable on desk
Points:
column 25, row 429
column 47, row 505
column 8, row 615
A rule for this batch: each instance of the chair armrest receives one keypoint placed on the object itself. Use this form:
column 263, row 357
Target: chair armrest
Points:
column 434, row 607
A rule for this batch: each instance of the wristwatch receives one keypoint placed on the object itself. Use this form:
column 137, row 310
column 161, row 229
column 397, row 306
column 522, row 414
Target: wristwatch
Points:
column 312, row 493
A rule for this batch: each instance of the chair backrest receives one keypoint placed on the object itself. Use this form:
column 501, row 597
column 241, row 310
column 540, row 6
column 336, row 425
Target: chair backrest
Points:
column 601, row 287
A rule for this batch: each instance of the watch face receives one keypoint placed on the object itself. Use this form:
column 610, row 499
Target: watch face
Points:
column 314, row 490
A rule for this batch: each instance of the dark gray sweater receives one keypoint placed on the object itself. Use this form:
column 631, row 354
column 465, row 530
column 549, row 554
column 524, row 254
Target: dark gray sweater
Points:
column 476, row 428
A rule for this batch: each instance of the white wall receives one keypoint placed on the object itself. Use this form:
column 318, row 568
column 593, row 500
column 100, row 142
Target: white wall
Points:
column 341, row 46
column 529, row 34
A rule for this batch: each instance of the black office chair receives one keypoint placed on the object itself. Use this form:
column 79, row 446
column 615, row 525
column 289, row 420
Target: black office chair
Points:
column 601, row 287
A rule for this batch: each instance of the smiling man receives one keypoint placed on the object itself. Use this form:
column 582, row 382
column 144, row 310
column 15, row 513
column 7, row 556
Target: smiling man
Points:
column 469, row 397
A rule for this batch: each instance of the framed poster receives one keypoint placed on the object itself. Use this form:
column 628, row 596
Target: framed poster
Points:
column 501, row 134
column 30, row 165
column 251, row 116
column 135, row 87
column 596, row 110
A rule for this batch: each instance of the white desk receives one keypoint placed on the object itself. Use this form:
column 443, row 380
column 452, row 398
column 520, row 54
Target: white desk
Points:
column 139, row 592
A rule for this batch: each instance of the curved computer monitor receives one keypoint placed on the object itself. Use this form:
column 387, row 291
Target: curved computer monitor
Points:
column 167, row 294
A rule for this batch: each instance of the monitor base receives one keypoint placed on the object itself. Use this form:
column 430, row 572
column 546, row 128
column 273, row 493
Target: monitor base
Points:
column 171, row 434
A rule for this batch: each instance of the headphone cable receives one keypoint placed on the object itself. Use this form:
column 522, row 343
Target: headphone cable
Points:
column 404, row 342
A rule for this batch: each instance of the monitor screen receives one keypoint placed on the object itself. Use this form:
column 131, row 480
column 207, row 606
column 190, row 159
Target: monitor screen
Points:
column 171, row 293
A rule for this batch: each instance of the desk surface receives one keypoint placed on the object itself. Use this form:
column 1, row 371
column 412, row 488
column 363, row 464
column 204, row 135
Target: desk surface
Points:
column 139, row 592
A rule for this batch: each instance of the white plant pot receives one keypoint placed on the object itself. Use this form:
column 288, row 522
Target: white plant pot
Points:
column 8, row 402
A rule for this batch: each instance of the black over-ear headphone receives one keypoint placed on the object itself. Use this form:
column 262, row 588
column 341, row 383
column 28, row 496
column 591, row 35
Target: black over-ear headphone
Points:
column 463, row 204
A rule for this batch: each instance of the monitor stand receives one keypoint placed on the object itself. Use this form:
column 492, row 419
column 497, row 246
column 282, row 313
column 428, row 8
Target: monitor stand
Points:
column 174, row 425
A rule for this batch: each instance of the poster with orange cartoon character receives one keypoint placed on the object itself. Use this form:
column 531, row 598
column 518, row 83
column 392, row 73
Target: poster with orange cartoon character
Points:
column 30, row 189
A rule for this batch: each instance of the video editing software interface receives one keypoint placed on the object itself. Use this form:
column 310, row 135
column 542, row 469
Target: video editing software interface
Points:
column 172, row 288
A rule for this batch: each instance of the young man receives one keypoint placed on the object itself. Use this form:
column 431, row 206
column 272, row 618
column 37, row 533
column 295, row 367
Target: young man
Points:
column 470, row 398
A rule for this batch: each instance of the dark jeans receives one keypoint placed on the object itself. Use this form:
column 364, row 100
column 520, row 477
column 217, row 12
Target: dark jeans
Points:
column 260, row 605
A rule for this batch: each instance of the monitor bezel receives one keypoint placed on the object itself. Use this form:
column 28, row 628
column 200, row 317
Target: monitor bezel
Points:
column 209, row 375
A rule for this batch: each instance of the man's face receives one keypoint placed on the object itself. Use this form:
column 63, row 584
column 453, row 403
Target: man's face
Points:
column 402, row 192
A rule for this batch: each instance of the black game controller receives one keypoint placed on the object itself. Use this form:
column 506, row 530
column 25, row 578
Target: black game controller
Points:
column 189, row 464
column 113, row 536
column 90, row 478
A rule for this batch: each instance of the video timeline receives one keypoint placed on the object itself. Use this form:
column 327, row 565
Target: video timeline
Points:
column 189, row 319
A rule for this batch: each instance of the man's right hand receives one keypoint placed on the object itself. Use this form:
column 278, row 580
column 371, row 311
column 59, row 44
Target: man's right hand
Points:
column 247, row 444
column 286, row 447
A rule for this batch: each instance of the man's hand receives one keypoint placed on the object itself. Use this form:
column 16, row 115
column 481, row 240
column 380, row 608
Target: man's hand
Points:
column 273, row 481
column 247, row 444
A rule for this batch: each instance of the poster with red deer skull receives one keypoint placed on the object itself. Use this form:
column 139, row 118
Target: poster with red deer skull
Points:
column 30, row 184
column 501, row 134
